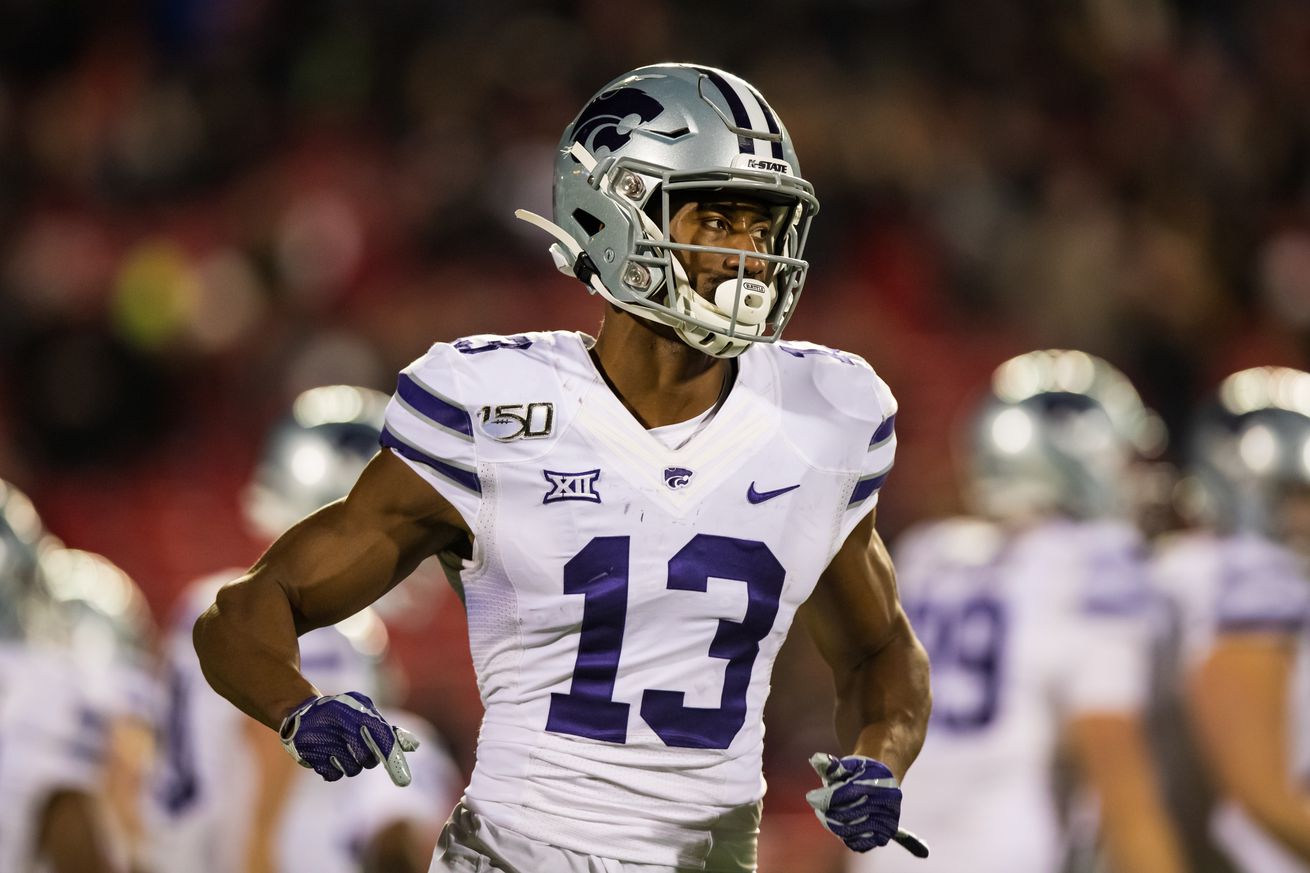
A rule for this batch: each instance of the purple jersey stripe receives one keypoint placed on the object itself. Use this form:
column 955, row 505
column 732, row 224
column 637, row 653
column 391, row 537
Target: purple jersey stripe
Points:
column 866, row 487
column 1271, row 624
column 436, row 408
column 884, row 430
column 465, row 478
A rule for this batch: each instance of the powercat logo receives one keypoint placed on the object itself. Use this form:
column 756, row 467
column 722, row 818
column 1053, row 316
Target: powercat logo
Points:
column 608, row 121
column 768, row 165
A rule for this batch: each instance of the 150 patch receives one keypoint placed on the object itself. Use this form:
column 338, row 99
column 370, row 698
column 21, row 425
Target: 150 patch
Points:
column 512, row 421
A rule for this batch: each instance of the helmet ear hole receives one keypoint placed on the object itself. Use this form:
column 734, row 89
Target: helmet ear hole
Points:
column 590, row 224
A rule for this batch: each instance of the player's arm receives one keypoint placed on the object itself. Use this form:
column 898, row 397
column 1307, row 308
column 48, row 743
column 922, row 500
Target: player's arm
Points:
column 878, row 665
column 1111, row 751
column 327, row 567
column 72, row 836
column 1238, row 703
column 883, row 697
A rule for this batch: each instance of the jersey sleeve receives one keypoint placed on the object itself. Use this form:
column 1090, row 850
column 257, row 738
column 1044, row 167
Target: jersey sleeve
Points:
column 1261, row 589
column 428, row 426
column 878, row 444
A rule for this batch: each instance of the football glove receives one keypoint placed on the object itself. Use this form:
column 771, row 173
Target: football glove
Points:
column 342, row 734
column 860, row 800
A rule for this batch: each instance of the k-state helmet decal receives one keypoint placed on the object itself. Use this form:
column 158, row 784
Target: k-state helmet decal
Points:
column 607, row 122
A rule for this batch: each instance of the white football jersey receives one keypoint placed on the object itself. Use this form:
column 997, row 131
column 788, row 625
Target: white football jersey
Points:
column 1243, row 584
column 626, row 600
column 200, row 815
column 1025, row 631
column 52, row 738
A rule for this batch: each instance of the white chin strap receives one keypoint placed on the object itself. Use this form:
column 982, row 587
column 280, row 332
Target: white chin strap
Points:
column 752, row 300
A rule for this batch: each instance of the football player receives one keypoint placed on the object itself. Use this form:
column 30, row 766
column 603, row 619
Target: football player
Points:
column 1034, row 612
column 229, row 799
column 53, row 738
column 103, row 620
column 637, row 518
column 1241, row 590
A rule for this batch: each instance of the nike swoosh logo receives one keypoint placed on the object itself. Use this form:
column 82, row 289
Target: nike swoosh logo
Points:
column 760, row 496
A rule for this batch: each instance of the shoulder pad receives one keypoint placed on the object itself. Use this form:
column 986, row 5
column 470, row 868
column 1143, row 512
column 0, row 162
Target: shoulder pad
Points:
column 838, row 411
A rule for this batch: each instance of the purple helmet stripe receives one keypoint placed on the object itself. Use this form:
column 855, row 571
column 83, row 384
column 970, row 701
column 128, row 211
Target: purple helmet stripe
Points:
column 738, row 109
column 770, row 122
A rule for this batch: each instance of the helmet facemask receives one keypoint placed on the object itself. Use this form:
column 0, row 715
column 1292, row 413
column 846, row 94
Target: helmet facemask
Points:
column 743, row 309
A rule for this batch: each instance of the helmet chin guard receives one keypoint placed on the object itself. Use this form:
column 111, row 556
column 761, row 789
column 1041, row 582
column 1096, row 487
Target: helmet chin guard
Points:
column 680, row 130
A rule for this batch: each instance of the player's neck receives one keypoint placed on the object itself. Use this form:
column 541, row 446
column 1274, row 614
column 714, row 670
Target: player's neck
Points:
column 660, row 379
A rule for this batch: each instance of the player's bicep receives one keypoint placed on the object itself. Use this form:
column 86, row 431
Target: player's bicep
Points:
column 855, row 609
column 348, row 554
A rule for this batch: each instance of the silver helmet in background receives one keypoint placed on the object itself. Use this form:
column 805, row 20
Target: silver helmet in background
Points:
column 657, row 136
column 1249, row 453
column 313, row 456
column 1058, row 432
column 22, row 538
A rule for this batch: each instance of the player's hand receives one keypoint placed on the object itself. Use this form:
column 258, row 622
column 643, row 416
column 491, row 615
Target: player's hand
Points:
column 860, row 800
column 342, row 734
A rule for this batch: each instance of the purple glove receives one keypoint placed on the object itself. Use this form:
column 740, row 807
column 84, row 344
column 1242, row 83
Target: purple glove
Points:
column 342, row 734
column 860, row 800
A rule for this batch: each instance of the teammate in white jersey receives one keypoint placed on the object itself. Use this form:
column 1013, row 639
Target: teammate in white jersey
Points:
column 53, row 741
column 105, row 623
column 639, row 519
column 1242, row 593
column 1034, row 612
column 228, row 799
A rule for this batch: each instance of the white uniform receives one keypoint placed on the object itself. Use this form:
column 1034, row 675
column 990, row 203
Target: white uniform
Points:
column 52, row 739
column 626, row 600
column 1243, row 584
column 1025, row 631
column 207, row 780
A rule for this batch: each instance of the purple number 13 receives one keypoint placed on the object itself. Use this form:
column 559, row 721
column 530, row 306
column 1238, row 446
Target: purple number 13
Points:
column 600, row 573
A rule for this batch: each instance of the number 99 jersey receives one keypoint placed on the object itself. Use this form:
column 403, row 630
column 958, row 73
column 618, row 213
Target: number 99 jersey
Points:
column 626, row 600
column 1026, row 632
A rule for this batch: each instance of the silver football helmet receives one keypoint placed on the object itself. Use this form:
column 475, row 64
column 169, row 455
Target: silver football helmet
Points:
column 21, row 539
column 313, row 456
column 1057, row 433
column 1250, row 448
column 667, row 132
column 104, row 614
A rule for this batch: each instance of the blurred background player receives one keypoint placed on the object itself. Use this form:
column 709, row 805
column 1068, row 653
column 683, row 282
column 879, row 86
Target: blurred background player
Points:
column 1241, row 591
column 1034, row 613
column 53, row 739
column 229, row 799
column 100, row 616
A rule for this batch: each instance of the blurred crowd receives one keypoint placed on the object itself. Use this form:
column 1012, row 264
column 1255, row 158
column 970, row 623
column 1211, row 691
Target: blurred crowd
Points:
column 209, row 207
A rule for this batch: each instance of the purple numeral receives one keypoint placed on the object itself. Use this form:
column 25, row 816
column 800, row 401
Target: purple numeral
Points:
column 600, row 574
column 467, row 347
column 965, row 642
column 736, row 642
